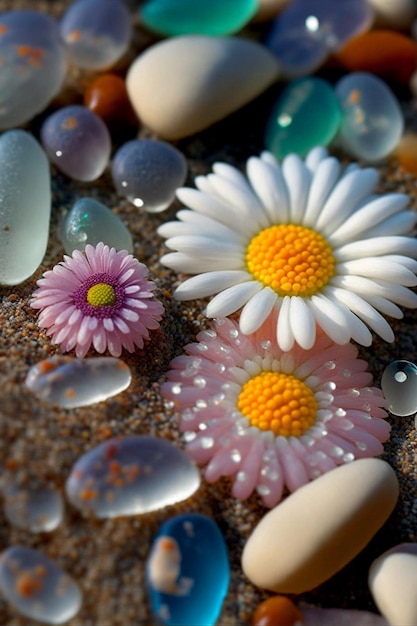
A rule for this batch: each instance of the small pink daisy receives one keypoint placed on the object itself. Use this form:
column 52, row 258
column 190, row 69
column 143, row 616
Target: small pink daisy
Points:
column 273, row 420
column 100, row 298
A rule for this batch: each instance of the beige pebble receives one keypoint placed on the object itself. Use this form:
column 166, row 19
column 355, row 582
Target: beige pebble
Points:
column 319, row 528
column 314, row 616
column 182, row 85
column 393, row 583
column 268, row 9
column 393, row 13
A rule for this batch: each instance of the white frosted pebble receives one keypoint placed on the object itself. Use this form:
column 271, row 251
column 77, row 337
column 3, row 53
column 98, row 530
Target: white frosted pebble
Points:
column 318, row 529
column 185, row 84
column 393, row 13
column 393, row 583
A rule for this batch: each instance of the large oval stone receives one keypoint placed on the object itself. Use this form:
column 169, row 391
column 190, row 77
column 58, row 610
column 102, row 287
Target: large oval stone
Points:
column 25, row 206
column 188, row 571
column 185, row 84
column 399, row 386
column 321, row 527
column 131, row 475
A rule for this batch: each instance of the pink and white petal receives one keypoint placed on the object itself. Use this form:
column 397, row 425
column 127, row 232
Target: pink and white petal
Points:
column 227, row 459
column 255, row 312
column 247, row 477
column 295, row 474
column 303, row 324
column 129, row 315
column 232, row 299
column 100, row 339
column 271, row 188
column 85, row 333
column 208, row 283
column 298, row 179
column 114, row 344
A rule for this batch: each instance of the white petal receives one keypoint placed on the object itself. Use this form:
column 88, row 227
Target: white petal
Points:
column 298, row 179
column 269, row 184
column 405, row 261
column 376, row 246
column 351, row 189
column 400, row 224
column 83, row 335
column 204, row 246
column 208, row 283
column 231, row 173
column 232, row 299
column 192, row 265
column 385, row 306
column 268, row 157
column 367, row 217
column 323, row 182
column 366, row 286
column 330, row 317
column 285, row 336
column 302, row 322
column 256, row 311
column 314, row 157
column 201, row 225
column 248, row 205
column 213, row 207
column 205, row 222
column 377, row 267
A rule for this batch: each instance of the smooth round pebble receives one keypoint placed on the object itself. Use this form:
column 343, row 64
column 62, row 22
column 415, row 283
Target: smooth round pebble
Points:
column 25, row 206
column 70, row 382
column 148, row 172
column 277, row 611
column 406, row 151
column 392, row 581
column 318, row 529
column 399, row 386
column 372, row 122
column 393, row 13
column 107, row 97
column 188, row 571
column 185, row 84
column 77, row 142
column 96, row 33
column 90, row 222
column 34, row 510
column 131, row 475
column 37, row 587
column 315, row 616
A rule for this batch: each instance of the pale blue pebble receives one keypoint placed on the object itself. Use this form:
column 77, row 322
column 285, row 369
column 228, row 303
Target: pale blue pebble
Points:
column 34, row 510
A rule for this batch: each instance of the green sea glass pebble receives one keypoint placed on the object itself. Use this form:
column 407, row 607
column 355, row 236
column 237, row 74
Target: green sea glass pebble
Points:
column 306, row 114
column 203, row 17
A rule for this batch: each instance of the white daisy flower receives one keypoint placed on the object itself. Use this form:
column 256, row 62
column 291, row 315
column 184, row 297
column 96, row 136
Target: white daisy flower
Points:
column 306, row 238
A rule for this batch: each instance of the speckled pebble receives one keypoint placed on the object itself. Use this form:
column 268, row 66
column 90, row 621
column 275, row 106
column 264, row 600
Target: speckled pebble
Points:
column 34, row 510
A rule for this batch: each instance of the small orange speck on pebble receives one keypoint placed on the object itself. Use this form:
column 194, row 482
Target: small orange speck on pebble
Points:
column 6, row 229
column 277, row 611
column 89, row 494
column 115, row 467
column 110, row 451
column 69, row 123
column 3, row 29
column 73, row 36
column 167, row 543
column 23, row 50
column 27, row 584
column 12, row 464
column 354, row 96
column 46, row 366
column 40, row 571
column 70, row 392
column 78, row 474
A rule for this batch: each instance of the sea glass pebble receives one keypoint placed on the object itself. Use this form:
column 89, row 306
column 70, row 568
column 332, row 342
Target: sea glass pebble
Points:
column 306, row 114
column 277, row 610
column 212, row 17
column 25, row 206
column 131, row 475
column 107, row 97
column 77, row 142
column 304, row 33
column 70, row 382
column 372, row 122
column 90, row 222
column 148, row 172
column 399, row 386
column 188, row 571
column 96, row 33
column 35, row 510
column 33, row 65
column 37, row 587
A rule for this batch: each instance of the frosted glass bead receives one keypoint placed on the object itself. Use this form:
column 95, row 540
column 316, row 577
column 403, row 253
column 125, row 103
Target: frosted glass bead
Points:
column 25, row 206
column 399, row 386
column 96, row 33
column 34, row 510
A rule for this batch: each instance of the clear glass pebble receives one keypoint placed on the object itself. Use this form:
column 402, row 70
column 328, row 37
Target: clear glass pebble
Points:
column 90, row 222
column 131, row 475
column 96, row 33
column 306, row 31
column 70, row 382
column 34, row 510
column 25, row 206
column 77, row 141
column 37, row 587
column 372, row 122
column 32, row 62
column 399, row 386
column 188, row 571
column 148, row 172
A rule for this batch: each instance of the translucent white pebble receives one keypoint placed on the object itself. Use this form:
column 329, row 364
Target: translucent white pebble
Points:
column 399, row 386
column 35, row 510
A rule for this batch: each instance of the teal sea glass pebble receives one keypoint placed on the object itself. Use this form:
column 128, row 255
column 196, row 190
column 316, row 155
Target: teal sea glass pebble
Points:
column 399, row 386
column 372, row 123
column 306, row 114
column 199, row 17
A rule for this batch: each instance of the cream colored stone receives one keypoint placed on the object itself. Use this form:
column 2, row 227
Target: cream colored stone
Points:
column 393, row 583
column 319, row 528
column 268, row 9
column 182, row 85
column 393, row 13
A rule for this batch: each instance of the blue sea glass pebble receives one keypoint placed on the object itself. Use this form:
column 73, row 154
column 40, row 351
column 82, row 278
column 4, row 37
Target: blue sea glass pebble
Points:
column 25, row 206
column 372, row 122
column 204, row 17
column 69, row 382
column 306, row 114
column 131, row 475
column 37, row 587
column 90, row 222
column 96, row 33
column 188, row 571
column 306, row 31
column 34, row 510
column 32, row 68
column 148, row 172
column 77, row 142
column 399, row 386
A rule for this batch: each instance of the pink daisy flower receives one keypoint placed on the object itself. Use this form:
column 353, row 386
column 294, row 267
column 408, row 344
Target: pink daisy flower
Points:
column 101, row 298
column 269, row 419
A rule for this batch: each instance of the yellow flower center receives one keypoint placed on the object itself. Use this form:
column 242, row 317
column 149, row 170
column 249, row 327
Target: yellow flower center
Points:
column 101, row 294
column 278, row 402
column 292, row 260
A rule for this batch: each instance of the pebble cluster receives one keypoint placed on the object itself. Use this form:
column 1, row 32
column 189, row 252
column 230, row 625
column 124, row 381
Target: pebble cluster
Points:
column 201, row 69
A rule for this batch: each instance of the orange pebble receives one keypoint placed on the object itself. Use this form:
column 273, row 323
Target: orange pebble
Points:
column 107, row 97
column 277, row 611
column 406, row 152
column 386, row 53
